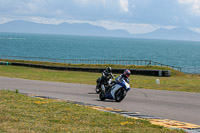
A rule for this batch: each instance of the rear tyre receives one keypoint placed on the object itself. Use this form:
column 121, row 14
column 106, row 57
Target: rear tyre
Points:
column 120, row 94
column 102, row 96
column 98, row 88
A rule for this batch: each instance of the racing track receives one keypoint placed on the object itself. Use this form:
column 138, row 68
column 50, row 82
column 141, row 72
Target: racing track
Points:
column 181, row 106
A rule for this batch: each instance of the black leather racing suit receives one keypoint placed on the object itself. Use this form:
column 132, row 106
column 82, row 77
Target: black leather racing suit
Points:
column 105, row 77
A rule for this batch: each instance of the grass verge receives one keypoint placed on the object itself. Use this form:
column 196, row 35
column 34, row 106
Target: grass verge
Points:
column 187, row 82
column 147, row 67
column 19, row 113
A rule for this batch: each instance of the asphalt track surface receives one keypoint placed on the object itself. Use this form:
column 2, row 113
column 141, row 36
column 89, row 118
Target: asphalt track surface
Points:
column 180, row 106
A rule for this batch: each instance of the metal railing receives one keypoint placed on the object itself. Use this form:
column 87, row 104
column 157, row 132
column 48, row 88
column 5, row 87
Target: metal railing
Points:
column 102, row 61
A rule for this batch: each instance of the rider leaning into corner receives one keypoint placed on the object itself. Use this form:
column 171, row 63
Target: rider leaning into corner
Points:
column 120, row 78
column 124, row 76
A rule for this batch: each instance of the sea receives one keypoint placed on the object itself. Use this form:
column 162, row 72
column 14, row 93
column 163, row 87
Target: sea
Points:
column 184, row 54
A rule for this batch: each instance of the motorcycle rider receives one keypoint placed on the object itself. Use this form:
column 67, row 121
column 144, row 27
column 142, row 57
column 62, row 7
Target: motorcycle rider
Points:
column 124, row 76
column 106, row 74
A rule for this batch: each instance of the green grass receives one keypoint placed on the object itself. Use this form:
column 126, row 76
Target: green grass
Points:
column 22, row 114
column 186, row 82
column 149, row 67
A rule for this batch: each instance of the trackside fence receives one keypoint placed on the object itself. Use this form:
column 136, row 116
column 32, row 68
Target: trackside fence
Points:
column 102, row 61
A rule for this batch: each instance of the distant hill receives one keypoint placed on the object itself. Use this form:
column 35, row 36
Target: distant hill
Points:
column 171, row 34
column 64, row 28
column 86, row 29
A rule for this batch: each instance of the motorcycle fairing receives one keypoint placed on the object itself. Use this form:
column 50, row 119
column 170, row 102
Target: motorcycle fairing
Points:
column 119, row 85
column 114, row 89
column 109, row 96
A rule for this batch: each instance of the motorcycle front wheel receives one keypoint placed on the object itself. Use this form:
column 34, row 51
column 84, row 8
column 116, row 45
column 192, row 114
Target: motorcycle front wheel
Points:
column 120, row 94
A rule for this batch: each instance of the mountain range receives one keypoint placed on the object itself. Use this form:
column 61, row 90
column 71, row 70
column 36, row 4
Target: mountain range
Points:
column 87, row 29
column 171, row 34
column 63, row 28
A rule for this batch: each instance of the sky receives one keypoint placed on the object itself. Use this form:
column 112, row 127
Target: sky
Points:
column 134, row 16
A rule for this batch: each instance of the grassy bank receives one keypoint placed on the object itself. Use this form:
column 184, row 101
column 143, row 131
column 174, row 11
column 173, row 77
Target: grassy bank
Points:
column 148, row 67
column 19, row 113
column 188, row 83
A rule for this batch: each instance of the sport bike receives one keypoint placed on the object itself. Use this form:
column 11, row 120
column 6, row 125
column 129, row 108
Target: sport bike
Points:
column 117, row 92
column 99, row 81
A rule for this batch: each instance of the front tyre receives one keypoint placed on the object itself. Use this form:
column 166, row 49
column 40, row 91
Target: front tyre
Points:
column 102, row 96
column 120, row 94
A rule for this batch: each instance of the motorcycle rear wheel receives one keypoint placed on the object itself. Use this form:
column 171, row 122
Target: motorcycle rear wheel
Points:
column 102, row 96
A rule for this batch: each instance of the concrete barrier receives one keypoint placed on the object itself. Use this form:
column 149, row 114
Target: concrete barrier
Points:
column 160, row 73
column 4, row 63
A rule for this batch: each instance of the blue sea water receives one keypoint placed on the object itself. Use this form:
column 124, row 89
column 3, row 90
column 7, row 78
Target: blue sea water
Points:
column 177, row 53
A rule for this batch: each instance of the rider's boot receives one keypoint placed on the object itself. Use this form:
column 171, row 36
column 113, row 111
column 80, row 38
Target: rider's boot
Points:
column 103, row 88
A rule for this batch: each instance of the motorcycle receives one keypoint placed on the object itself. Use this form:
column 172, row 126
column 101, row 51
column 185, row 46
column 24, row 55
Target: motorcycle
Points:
column 117, row 91
column 99, row 82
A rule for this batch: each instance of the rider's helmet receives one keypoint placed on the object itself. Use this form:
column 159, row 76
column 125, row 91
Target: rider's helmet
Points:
column 127, row 73
column 109, row 69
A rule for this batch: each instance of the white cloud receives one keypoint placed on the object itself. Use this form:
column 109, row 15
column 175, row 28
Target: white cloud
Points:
column 132, row 28
column 94, row 2
column 135, row 16
column 195, row 5
column 124, row 5
column 188, row 1
column 5, row 20
column 83, row 2
column 176, row 19
column 195, row 29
